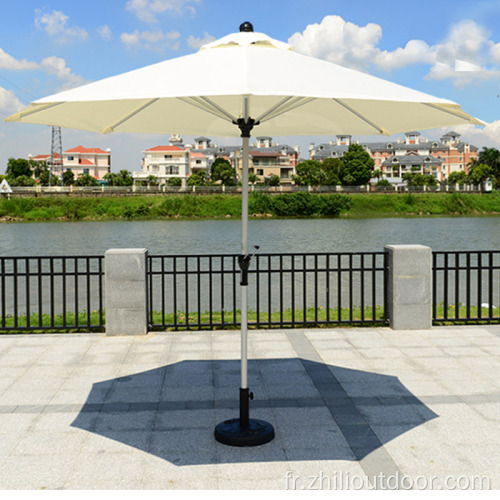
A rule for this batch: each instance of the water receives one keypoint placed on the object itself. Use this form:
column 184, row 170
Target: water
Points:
column 223, row 236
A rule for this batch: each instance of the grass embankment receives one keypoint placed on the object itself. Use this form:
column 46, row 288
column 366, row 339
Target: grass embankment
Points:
column 225, row 205
column 204, row 320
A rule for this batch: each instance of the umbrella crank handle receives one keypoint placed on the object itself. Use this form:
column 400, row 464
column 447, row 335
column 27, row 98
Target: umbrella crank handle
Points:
column 244, row 263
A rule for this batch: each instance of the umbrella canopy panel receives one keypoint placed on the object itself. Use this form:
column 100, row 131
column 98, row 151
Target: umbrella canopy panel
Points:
column 288, row 93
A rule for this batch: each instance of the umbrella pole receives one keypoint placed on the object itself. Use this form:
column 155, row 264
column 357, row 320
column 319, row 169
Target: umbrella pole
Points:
column 244, row 431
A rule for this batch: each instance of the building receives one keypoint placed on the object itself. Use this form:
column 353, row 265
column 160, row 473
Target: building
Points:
column 414, row 154
column 267, row 159
column 165, row 162
column 80, row 160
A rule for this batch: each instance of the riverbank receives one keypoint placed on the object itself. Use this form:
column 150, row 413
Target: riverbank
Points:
column 35, row 209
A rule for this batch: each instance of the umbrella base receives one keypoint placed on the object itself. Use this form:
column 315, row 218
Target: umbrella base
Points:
column 255, row 433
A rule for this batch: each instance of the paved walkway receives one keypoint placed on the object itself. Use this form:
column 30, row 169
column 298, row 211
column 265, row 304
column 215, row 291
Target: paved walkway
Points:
column 352, row 408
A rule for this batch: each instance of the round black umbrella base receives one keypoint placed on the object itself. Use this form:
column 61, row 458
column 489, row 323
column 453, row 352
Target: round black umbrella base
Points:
column 232, row 433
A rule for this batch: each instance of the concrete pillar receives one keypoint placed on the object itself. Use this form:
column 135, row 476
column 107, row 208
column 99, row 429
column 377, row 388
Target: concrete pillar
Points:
column 125, row 291
column 409, row 287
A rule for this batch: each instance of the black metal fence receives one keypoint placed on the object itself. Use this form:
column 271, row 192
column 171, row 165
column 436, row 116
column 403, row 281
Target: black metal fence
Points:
column 285, row 290
column 51, row 293
column 466, row 286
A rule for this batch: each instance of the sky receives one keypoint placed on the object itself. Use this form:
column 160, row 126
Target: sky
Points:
column 447, row 49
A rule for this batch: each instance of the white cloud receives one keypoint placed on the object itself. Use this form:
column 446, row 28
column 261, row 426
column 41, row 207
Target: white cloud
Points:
column 338, row 41
column 415, row 52
column 9, row 62
column 465, row 56
column 196, row 43
column 487, row 136
column 55, row 25
column 104, row 31
column 148, row 10
column 9, row 103
column 151, row 40
column 57, row 66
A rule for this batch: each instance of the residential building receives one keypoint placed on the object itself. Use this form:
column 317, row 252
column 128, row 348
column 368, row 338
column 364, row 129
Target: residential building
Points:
column 267, row 159
column 79, row 160
column 164, row 162
column 413, row 154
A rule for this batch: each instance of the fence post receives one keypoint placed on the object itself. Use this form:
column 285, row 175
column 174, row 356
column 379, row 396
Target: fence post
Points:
column 125, row 291
column 409, row 287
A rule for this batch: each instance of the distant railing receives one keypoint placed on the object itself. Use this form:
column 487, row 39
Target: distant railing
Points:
column 466, row 286
column 285, row 290
column 219, row 189
column 51, row 293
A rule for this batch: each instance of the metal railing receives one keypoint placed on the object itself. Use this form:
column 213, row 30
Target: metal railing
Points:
column 51, row 293
column 285, row 290
column 466, row 286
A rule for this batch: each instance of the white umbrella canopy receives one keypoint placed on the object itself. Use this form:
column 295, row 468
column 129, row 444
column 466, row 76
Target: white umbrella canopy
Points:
column 287, row 92
column 227, row 88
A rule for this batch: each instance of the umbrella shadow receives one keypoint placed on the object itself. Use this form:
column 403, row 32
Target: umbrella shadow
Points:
column 319, row 411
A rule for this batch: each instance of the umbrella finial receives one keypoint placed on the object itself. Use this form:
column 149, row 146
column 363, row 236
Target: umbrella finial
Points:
column 246, row 26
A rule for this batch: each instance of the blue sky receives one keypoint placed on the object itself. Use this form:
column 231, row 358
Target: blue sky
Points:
column 448, row 49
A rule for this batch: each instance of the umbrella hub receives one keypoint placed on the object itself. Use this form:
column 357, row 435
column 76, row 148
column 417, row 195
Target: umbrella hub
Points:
column 245, row 126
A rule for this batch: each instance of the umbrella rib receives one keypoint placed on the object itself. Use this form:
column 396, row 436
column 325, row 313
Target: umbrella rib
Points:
column 39, row 109
column 193, row 101
column 379, row 129
column 445, row 110
column 218, row 108
column 111, row 128
column 281, row 108
column 274, row 108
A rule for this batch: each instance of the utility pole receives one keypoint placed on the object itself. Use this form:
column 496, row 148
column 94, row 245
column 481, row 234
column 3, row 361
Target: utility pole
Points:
column 56, row 153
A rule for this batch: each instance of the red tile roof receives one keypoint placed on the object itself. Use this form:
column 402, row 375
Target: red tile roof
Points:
column 165, row 148
column 85, row 161
column 81, row 149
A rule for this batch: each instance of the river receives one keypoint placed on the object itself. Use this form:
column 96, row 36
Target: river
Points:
column 272, row 235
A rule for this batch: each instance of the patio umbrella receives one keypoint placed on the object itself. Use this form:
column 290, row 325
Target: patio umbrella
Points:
column 229, row 87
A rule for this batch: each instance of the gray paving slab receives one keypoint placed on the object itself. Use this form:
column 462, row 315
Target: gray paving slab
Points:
column 352, row 408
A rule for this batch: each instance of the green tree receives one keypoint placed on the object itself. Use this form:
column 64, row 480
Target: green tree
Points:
column 253, row 178
column 174, row 181
column 21, row 180
column 198, row 179
column 358, row 166
column 68, row 178
column 39, row 167
column 18, row 167
column 86, row 180
column 459, row 178
column 333, row 169
column 223, row 172
column 479, row 173
column 274, row 180
column 309, row 173
column 490, row 157
column 44, row 179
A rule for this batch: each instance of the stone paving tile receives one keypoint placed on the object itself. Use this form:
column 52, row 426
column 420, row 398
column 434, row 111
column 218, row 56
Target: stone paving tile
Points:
column 139, row 412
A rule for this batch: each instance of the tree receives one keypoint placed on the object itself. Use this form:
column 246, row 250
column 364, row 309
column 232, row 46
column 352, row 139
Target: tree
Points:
column 253, row 178
column 68, row 178
column 333, row 169
column 18, row 167
column 21, row 180
column 174, row 181
column 122, row 178
column 86, row 180
column 198, row 179
column 274, row 180
column 39, row 167
column 358, row 166
column 479, row 173
column 491, row 158
column 459, row 178
column 222, row 171
column 44, row 179
column 309, row 173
